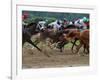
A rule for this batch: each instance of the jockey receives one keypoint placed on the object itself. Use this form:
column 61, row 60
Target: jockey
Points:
column 81, row 23
column 24, row 17
column 70, row 23
column 86, row 22
column 24, row 23
column 65, row 23
column 41, row 25
column 57, row 26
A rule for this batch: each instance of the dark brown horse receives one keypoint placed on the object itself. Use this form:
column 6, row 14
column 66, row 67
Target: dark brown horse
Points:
column 27, row 32
column 58, row 37
column 68, row 28
column 54, row 37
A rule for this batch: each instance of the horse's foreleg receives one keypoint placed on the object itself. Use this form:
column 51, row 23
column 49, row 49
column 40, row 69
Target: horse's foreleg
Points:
column 62, row 46
column 44, row 47
column 61, row 49
column 73, row 45
column 50, row 45
column 34, row 45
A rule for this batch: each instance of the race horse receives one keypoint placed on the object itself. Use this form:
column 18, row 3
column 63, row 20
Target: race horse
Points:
column 51, row 36
column 27, row 32
column 67, row 29
column 72, row 30
column 83, row 37
column 84, row 40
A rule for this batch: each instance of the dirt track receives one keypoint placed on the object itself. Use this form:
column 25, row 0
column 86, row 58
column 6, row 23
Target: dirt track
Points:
column 32, row 58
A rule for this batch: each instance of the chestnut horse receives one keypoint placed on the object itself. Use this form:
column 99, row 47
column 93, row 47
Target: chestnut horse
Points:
column 83, row 37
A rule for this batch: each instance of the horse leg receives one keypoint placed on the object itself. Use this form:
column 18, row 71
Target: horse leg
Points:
column 49, row 45
column 73, row 45
column 61, row 49
column 78, row 48
column 44, row 48
column 87, row 47
column 84, row 48
column 62, row 45
column 34, row 45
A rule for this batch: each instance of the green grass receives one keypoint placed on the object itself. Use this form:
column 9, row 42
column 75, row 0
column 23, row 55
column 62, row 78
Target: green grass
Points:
column 69, row 45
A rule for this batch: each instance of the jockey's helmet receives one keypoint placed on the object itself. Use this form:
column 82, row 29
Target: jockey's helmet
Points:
column 85, row 19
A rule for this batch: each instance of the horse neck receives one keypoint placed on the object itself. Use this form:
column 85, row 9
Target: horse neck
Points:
column 33, row 29
column 49, row 34
column 78, row 34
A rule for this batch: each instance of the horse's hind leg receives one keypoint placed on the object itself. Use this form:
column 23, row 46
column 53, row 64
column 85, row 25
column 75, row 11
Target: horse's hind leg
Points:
column 49, row 43
column 78, row 48
column 87, row 49
column 44, row 48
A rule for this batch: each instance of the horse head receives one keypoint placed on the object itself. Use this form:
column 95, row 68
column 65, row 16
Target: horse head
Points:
column 72, row 34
